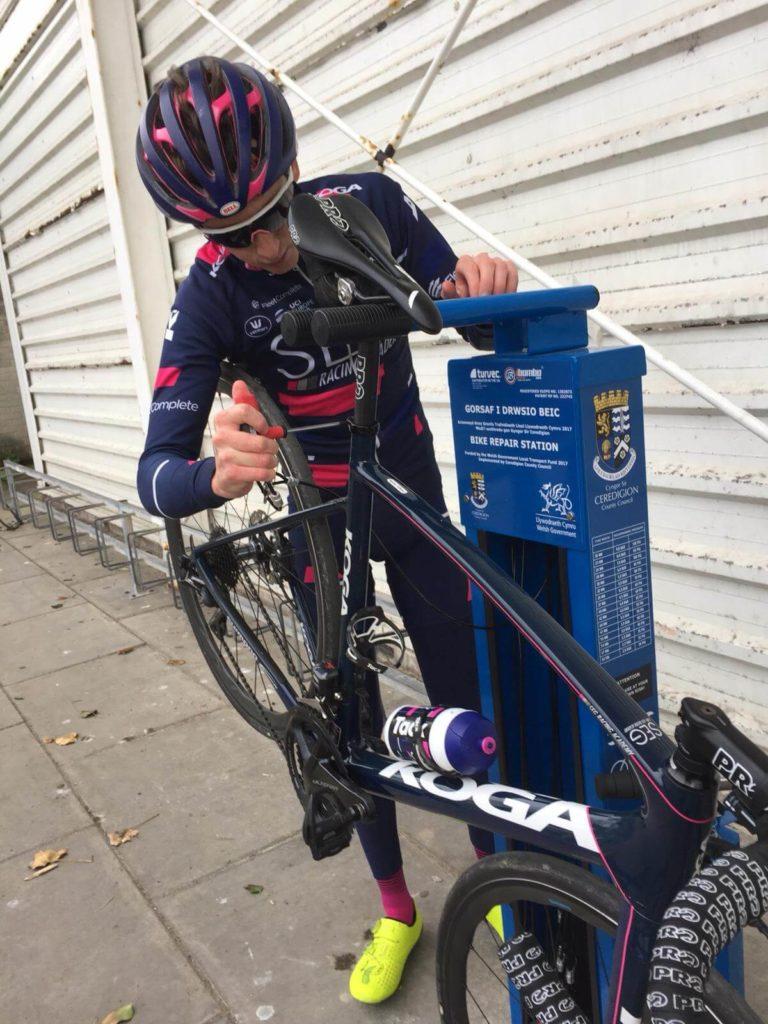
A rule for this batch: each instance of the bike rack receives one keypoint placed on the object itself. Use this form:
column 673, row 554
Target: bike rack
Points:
column 78, row 515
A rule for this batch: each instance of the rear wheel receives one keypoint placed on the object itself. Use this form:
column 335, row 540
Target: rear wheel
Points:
column 283, row 583
column 570, row 911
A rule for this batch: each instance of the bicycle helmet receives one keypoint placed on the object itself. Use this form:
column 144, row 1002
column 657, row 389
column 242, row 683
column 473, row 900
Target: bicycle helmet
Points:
column 211, row 137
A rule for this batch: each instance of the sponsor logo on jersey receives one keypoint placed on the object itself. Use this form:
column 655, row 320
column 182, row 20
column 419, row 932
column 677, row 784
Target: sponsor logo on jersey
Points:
column 177, row 404
column 171, row 324
column 411, row 206
column 339, row 190
column 218, row 263
column 257, row 326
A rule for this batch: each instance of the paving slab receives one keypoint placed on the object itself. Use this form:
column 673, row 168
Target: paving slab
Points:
column 15, row 565
column 301, row 935
column 168, row 630
column 60, row 559
column 81, row 941
column 60, row 638
column 39, row 594
column 37, row 804
column 9, row 714
column 113, row 595
column 133, row 694
column 218, row 790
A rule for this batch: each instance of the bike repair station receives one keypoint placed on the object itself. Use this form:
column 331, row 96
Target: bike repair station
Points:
column 550, row 464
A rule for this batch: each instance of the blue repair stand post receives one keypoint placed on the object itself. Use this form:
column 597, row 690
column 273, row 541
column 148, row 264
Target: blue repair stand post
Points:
column 550, row 460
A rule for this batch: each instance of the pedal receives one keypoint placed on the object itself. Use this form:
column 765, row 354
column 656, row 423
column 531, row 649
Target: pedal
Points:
column 327, row 826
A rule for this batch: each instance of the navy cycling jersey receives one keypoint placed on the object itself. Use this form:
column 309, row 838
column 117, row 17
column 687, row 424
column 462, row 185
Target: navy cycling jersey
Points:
column 226, row 310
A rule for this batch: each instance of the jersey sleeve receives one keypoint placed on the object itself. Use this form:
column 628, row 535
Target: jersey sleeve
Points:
column 428, row 257
column 172, row 480
column 418, row 246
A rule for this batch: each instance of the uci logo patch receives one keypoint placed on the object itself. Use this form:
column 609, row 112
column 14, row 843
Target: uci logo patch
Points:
column 258, row 326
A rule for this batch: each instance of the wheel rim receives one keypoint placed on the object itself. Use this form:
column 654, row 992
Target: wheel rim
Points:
column 265, row 579
column 573, row 935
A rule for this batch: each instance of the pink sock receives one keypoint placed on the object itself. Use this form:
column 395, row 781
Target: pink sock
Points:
column 480, row 853
column 395, row 898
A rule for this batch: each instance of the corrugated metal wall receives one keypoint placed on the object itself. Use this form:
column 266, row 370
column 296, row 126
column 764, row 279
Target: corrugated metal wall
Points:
column 68, row 318
column 624, row 145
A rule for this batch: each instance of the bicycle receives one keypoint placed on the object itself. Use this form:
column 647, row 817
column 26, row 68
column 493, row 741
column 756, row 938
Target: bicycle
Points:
column 294, row 653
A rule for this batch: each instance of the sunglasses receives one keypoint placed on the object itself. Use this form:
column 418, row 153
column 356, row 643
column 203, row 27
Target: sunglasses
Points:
column 269, row 218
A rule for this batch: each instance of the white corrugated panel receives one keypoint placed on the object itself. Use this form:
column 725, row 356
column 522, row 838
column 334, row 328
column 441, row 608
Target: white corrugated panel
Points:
column 622, row 145
column 66, row 308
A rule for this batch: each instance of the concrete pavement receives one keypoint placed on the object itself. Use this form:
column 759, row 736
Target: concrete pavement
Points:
column 165, row 921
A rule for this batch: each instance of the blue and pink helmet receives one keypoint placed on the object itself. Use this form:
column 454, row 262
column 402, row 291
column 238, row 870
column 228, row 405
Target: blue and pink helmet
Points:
column 211, row 137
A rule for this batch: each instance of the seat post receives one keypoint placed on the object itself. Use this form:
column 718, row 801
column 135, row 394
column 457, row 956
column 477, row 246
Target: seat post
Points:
column 367, row 360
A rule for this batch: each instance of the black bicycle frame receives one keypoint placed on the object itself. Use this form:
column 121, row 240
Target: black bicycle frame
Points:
column 649, row 854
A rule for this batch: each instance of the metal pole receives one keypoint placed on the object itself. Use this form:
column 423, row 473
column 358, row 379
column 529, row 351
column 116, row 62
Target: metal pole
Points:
column 690, row 381
column 282, row 79
column 725, row 405
column 432, row 72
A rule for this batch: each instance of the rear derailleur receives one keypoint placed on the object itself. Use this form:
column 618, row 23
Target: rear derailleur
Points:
column 332, row 803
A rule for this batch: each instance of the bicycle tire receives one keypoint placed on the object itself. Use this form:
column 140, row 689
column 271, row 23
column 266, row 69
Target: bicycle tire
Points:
column 543, row 883
column 315, row 638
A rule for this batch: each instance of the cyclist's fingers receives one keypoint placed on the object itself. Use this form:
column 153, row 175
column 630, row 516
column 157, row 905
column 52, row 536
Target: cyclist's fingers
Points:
column 239, row 414
column 467, row 276
column 504, row 277
column 227, row 437
column 487, row 266
column 231, row 474
column 255, row 460
column 242, row 395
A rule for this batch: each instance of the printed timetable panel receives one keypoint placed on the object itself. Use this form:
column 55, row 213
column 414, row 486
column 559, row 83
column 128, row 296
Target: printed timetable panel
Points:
column 622, row 592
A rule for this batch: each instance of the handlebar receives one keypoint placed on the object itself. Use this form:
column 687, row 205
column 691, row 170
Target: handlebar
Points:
column 338, row 326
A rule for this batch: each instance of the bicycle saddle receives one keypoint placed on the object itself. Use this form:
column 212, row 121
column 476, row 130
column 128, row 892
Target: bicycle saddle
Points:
column 338, row 236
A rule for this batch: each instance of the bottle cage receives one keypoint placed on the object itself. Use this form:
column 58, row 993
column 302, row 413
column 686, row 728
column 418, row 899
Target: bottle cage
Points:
column 348, row 257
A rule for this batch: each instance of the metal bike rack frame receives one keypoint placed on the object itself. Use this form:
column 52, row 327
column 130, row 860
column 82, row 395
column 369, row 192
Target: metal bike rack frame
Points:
column 26, row 486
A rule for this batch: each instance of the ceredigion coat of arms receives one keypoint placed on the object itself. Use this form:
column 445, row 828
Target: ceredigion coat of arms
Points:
column 615, row 454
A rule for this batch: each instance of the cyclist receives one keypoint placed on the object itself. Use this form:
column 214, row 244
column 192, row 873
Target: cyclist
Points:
column 216, row 148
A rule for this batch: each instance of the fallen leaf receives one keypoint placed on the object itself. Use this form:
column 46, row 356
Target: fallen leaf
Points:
column 44, row 857
column 61, row 741
column 127, row 650
column 66, row 739
column 176, row 661
column 256, row 890
column 120, row 837
column 89, row 714
column 42, row 871
column 118, row 1016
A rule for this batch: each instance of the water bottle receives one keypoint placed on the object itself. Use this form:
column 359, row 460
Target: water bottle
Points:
column 452, row 741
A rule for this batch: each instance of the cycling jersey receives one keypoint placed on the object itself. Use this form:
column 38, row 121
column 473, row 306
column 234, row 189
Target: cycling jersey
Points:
column 226, row 310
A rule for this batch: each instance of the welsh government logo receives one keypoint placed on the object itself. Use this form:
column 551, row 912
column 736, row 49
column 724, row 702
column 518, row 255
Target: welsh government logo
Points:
column 477, row 494
column 557, row 500
column 615, row 454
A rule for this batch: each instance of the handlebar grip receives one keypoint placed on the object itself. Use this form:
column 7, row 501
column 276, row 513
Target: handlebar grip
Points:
column 349, row 324
column 296, row 327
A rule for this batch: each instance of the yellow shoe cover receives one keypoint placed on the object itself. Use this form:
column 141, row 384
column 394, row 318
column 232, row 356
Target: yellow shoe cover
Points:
column 378, row 972
column 495, row 920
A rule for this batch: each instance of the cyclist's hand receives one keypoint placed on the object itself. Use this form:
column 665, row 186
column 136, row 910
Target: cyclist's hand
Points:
column 242, row 458
column 481, row 275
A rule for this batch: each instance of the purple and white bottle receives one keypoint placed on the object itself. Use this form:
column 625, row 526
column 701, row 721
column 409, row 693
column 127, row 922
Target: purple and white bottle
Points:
column 453, row 741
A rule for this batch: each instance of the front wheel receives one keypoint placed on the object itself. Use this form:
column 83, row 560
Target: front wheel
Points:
column 573, row 915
